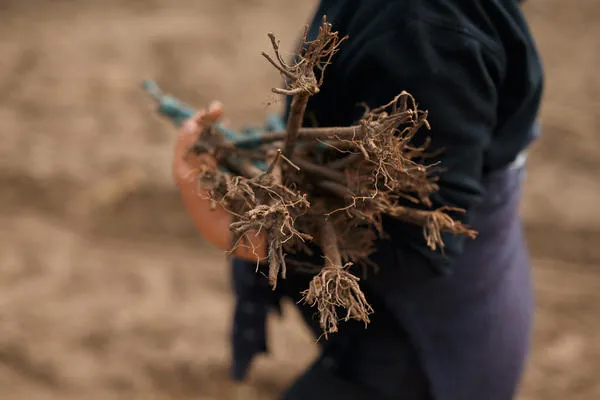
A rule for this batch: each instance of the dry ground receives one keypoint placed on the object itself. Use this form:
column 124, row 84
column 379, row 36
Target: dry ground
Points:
column 106, row 291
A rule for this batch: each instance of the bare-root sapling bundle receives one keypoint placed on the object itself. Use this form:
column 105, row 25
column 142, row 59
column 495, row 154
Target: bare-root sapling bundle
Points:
column 324, row 186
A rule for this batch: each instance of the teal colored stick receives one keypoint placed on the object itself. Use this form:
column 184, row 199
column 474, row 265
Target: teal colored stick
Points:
column 178, row 112
column 169, row 106
column 274, row 123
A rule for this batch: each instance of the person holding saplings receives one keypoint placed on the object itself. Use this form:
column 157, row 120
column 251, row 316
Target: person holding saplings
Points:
column 451, row 326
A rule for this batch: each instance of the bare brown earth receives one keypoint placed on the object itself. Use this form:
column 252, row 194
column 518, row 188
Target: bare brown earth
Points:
column 106, row 290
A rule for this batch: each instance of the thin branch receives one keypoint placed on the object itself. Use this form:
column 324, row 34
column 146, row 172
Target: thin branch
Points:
column 283, row 71
column 329, row 244
column 304, row 134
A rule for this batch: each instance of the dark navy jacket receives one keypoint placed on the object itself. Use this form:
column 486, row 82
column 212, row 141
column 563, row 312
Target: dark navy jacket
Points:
column 472, row 64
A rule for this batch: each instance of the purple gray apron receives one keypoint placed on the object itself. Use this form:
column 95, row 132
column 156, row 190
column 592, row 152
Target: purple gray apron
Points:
column 462, row 336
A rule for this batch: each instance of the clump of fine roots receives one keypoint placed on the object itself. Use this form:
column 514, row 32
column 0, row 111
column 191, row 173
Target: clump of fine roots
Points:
column 334, row 287
column 326, row 186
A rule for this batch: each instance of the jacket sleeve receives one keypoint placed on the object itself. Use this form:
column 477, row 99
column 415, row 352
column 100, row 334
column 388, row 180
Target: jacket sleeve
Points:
column 453, row 76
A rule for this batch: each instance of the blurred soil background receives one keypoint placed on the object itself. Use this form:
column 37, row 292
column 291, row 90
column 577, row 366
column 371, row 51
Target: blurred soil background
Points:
column 106, row 290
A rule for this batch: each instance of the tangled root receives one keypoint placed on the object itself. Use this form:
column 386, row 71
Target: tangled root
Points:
column 332, row 288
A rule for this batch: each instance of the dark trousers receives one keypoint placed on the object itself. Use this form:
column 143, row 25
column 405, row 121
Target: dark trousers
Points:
column 459, row 337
